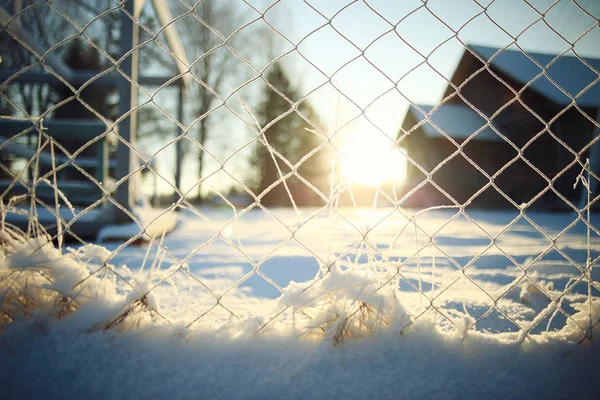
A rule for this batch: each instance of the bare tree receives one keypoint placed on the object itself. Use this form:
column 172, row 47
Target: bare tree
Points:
column 203, row 32
column 47, row 28
column 44, row 22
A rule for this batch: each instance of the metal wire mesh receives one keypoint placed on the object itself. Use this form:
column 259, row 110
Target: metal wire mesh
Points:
column 149, row 77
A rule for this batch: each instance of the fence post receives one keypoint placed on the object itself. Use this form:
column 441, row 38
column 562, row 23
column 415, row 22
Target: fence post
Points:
column 127, row 100
column 179, row 144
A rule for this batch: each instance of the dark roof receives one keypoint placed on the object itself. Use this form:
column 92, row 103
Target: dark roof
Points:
column 457, row 121
column 568, row 71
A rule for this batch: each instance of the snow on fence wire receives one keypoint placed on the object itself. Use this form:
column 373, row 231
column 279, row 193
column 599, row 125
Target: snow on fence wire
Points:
column 464, row 235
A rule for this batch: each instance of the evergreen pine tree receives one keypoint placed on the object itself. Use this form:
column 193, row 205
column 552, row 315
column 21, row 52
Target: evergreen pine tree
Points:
column 290, row 137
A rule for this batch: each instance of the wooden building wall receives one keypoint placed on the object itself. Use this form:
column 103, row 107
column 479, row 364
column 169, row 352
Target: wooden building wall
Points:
column 551, row 157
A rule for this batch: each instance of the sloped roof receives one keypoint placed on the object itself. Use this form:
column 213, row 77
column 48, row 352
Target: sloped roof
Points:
column 568, row 71
column 457, row 121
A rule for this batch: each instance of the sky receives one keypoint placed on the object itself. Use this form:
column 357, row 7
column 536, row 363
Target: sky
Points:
column 359, row 64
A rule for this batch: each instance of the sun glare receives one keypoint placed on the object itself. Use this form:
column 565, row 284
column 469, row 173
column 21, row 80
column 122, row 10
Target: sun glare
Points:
column 372, row 162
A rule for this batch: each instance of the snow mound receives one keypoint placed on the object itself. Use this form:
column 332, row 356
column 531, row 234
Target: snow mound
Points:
column 338, row 303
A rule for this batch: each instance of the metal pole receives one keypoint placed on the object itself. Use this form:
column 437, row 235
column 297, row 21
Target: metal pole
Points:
column 127, row 100
column 179, row 144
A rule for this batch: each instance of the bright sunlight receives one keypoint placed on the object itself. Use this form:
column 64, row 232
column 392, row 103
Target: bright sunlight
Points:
column 372, row 160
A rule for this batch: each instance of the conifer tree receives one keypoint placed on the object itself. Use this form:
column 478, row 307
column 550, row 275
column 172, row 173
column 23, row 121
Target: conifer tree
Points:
column 293, row 138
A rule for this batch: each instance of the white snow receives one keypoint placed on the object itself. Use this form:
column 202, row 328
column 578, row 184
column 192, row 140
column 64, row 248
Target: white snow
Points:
column 150, row 223
column 249, row 308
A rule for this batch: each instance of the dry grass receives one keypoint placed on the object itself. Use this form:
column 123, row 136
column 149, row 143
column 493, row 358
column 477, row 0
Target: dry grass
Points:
column 132, row 316
column 28, row 290
column 23, row 295
column 358, row 320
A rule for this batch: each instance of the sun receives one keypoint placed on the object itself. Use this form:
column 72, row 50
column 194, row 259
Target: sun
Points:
column 372, row 160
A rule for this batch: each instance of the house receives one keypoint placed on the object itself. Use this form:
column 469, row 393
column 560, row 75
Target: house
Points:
column 524, row 120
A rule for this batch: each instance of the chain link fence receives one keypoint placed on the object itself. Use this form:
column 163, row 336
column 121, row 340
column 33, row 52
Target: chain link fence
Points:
column 324, row 168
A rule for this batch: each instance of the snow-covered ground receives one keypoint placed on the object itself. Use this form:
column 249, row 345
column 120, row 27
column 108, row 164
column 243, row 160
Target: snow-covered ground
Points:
column 270, row 306
column 464, row 271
